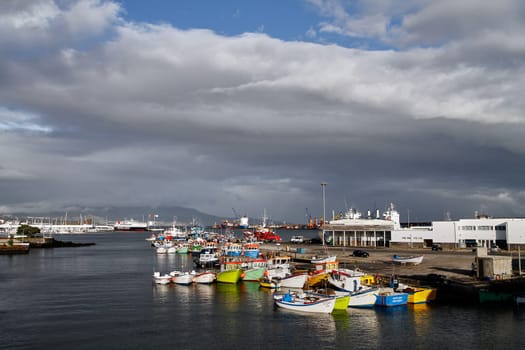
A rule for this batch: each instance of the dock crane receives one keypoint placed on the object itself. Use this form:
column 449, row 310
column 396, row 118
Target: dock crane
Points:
column 236, row 216
column 310, row 225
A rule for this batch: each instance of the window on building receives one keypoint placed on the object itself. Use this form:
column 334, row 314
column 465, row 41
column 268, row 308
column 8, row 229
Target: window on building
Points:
column 485, row 228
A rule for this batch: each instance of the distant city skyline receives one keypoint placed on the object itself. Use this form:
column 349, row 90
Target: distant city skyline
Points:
column 251, row 105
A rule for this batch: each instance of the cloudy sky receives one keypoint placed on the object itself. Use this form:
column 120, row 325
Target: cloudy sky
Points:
column 252, row 104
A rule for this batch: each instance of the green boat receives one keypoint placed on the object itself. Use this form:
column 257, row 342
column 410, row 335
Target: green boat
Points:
column 229, row 276
column 489, row 296
column 183, row 250
column 254, row 274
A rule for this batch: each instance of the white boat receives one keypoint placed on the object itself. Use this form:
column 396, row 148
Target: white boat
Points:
column 363, row 298
column 179, row 277
column 208, row 259
column 206, row 277
column 327, row 259
column 130, row 225
column 292, row 281
column 171, row 250
column 162, row 250
column 305, row 303
column 350, row 281
column 413, row 260
column 161, row 279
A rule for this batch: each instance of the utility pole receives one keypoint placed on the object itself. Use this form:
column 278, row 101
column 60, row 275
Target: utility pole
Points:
column 323, row 186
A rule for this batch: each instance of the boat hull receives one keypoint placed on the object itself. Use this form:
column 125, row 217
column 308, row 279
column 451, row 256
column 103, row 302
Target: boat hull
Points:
column 342, row 302
column 205, row 278
column 363, row 299
column 391, row 299
column 253, row 275
column 420, row 295
column 230, row 276
column 320, row 306
column 296, row 281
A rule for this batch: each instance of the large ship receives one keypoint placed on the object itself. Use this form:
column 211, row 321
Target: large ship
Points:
column 130, row 225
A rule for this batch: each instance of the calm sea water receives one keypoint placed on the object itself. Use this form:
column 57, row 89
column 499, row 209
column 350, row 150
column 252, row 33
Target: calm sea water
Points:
column 102, row 297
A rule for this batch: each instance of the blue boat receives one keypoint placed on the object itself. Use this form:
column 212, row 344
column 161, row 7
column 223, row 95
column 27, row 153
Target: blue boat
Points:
column 391, row 298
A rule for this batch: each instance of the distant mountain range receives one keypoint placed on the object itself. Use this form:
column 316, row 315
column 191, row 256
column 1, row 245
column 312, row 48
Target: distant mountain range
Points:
column 161, row 215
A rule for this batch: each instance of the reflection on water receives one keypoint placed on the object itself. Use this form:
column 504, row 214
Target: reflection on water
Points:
column 364, row 321
column 421, row 314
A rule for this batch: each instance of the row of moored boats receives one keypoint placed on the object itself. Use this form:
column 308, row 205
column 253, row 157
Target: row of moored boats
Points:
column 323, row 287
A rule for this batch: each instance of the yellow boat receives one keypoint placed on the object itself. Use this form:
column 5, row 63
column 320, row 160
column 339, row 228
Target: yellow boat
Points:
column 265, row 282
column 420, row 295
column 341, row 302
column 317, row 278
column 229, row 276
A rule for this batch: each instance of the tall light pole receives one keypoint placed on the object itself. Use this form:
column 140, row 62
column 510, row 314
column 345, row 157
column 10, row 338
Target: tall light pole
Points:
column 323, row 186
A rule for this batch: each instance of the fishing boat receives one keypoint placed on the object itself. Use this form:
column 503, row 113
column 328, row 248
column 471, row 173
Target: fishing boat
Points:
column 412, row 260
column 364, row 298
column 255, row 269
column 388, row 297
column 296, row 281
column 305, row 303
column 207, row 259
column 317, row 278
column 161, row 279
column 205, row 277
column 322, row 260
column 183, row 249
column 490, row 296
column 180, row 277
column 251, row 250
column 162, row 250
column 229, row 276
column 419, row 295
column 232, row 249
column 267, row 282
column 231, row 270
column 342, row 299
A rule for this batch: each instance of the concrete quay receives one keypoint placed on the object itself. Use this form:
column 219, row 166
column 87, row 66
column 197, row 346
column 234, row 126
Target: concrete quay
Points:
column 449, row 270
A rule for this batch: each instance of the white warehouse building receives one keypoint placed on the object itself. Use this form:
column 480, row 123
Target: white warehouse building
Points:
column 482, row 232
column 353, row 230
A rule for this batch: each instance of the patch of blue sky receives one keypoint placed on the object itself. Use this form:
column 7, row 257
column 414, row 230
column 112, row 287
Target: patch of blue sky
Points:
column 293, row 20
column 20, row 121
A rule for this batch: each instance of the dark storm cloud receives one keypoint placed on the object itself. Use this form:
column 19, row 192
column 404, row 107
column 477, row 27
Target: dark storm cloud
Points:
column 147, row 114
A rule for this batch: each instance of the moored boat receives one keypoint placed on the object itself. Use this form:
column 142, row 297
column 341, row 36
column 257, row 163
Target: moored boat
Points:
column 184, row 278
column 388, row 297
column 251, row 250
column 324, row 260
column 161, row 279
column 296, row 281
column 130, row 225
column 305, row 303
column 205, row 277
column 412, row 260
column 419, row 295
column 363, row 298
column 266, row 282
column 229, row 276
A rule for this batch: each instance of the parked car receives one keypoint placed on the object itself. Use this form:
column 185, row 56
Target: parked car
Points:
column 436, row 247
column 360, row 253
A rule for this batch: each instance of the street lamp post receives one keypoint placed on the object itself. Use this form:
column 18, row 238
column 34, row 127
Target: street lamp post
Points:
column 323, row 186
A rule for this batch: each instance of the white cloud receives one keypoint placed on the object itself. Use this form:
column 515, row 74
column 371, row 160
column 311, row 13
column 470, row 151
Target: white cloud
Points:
column 195, row 118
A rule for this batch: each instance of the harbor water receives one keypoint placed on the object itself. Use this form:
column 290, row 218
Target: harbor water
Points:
column 103, row 297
